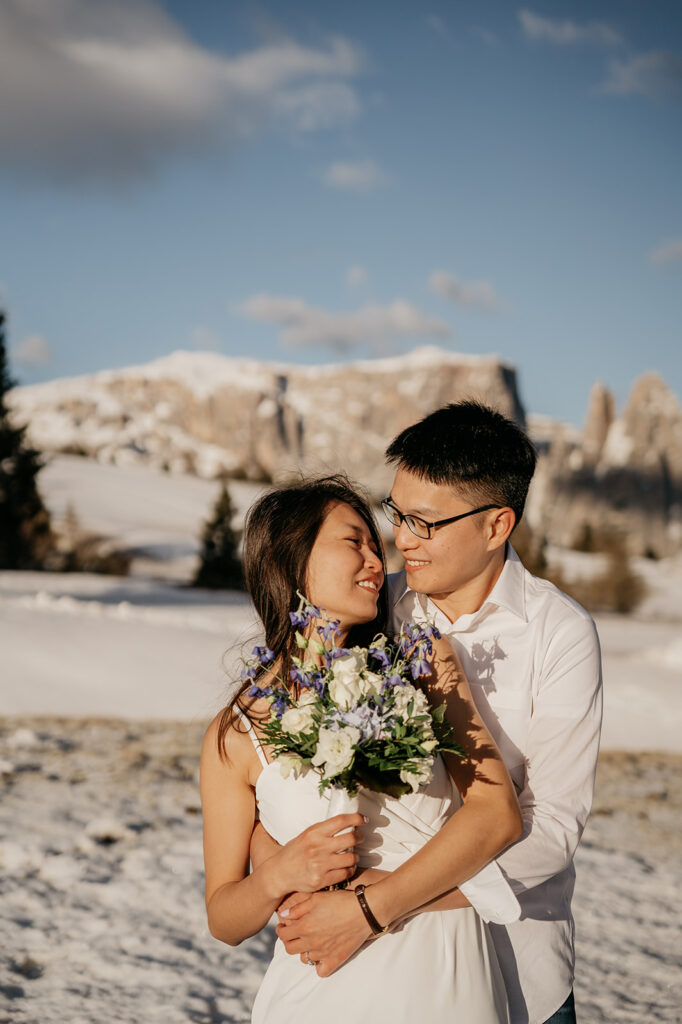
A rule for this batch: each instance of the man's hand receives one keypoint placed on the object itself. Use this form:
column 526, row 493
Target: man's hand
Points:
column 327, row 926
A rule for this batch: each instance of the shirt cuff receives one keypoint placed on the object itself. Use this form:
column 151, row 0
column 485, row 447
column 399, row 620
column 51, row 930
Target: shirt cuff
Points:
column 491, row 895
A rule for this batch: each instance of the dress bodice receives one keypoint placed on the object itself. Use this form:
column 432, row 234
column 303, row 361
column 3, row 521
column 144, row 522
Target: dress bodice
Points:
column 395, row 830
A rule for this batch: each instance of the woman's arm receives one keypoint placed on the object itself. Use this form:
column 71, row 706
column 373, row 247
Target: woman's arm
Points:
column 262, row 847
column 239, row 904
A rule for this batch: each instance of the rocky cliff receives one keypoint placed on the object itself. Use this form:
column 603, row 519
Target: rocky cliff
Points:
column 208, row 414
column 621, row 475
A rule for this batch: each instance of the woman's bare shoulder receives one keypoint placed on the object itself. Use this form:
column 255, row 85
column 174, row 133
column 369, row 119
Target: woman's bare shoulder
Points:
column 235, row 751
column 223, row 752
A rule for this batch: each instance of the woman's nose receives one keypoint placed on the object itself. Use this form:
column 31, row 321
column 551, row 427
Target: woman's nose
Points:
column 372, row 560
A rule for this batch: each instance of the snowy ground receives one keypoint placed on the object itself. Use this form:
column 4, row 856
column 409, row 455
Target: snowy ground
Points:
column 101, row 884
column 135, row 648
column 158, row 516
column 100, row 851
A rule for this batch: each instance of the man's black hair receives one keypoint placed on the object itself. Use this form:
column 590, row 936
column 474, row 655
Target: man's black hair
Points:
column 472, row 448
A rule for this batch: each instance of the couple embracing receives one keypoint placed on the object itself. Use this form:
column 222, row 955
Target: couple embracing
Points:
column 457, row 905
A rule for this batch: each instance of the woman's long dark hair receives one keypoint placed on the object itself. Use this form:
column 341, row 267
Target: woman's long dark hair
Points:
column 279, row 534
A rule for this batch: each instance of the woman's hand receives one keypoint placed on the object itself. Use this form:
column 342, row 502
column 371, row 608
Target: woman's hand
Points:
column 318, row 857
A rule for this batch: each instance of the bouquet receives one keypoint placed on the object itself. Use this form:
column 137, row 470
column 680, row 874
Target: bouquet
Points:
column 353, row 715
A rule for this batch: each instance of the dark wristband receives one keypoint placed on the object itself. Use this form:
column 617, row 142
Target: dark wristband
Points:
column 371, row 919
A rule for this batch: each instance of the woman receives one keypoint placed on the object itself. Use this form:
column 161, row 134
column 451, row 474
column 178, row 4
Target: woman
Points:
column 319, row 538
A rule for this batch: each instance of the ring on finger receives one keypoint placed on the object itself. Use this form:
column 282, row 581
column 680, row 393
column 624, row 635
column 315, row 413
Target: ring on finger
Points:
column 310, row 963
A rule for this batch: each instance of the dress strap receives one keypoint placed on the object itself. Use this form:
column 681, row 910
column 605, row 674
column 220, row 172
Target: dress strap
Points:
column 252, row 733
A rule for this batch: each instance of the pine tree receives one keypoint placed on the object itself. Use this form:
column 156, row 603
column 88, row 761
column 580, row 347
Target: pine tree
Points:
column 25, row 536
column 220, row 568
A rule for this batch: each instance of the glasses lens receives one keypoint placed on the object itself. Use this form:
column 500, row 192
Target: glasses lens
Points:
column 418, row 527
column 391, row 513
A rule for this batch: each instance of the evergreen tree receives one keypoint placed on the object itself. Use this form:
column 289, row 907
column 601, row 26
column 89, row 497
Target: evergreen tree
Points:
column 220, row 568
column 25, row 536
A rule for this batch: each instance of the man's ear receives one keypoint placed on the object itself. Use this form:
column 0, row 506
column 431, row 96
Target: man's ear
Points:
column 501, row 526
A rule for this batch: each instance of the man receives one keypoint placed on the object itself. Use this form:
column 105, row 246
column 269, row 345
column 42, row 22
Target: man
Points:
column 532, row 659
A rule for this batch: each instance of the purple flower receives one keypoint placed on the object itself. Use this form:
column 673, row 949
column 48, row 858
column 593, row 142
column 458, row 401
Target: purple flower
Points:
column 420, row 667
column 259, row 691
column 317, row 683
column 264, row 655
column 299, row 619
column 279, row 706
column 381, row 655
column 297, row 675
column 405, row 645
column 339, row 652
column 394, row 680
column 332, row 627
column 364, row 717
column 250, row 672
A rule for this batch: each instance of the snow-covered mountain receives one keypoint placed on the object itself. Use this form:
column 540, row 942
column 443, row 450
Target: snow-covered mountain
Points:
column 209, row 414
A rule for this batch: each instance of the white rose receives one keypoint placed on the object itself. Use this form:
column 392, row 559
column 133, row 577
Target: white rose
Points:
column 405, row 694
column 346, row 692
column 421, row 702
column 421, row 777
column 289, row 763
column 335, row 750
column 402, row 697
column 297, row 719
column 347, row 685
column 373, row 682
column 350, row 664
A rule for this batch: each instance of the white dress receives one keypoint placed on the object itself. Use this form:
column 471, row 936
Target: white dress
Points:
column 438, row 967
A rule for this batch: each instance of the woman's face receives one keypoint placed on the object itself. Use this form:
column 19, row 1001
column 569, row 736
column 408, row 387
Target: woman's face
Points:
column 344, row 569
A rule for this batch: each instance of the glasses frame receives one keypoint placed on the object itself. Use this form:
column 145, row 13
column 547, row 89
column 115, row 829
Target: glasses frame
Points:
column 387, row 504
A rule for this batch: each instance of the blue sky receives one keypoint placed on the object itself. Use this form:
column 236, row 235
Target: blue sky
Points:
column 313, row 182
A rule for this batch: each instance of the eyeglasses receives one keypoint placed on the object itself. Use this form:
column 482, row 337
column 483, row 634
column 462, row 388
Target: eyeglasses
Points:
column 419, row 527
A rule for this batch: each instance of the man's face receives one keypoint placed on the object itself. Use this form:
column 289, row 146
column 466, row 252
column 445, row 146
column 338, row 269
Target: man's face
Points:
column 455, row 555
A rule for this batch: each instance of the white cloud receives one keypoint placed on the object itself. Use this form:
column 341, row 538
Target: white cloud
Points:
column 32, row 351
column 303, row 325
column 655, row 75
column 567, row 33
column 473, row 294
column 108, row 90
column 356, row 276
column 667, row 252
column 355, row 176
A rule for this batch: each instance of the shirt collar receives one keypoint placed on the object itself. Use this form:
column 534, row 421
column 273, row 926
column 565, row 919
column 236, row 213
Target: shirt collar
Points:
column 509, row 591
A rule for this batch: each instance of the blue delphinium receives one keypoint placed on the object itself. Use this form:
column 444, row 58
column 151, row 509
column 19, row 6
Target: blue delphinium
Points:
column 420, row 667
column 263, row 655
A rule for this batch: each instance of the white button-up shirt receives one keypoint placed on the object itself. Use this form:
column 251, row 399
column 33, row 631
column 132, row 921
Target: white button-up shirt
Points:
column 531, row 655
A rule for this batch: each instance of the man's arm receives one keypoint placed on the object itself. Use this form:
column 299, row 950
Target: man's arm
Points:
column 561, row 752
